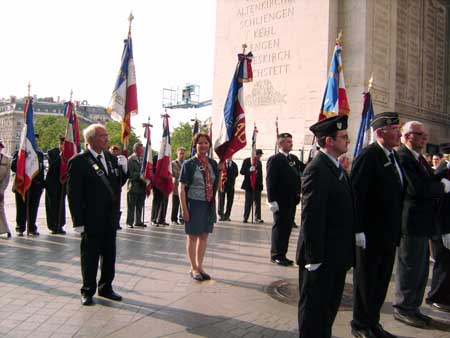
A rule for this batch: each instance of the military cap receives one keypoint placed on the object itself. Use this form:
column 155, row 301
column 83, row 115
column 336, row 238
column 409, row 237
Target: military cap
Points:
column 259, row 152
column 445, row 148
column 385, row 119
column 284, row 135
column 329, row 126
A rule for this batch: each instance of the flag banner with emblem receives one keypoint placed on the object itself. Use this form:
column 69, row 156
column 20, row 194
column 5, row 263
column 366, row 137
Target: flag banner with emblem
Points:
column 27, row 160
column 254, row 159
column 71, row 145
column 147, row 164
column 335, row 100
column 231, row 137
column 365, row 135
column 195, row 130
column 163, row 173
column 124, row 101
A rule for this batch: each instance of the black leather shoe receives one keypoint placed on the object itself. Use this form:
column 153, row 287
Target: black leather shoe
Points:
column 54, row 232
column 441, row 307
column 205, row 276
column 281, row 262
column 294, row 225
column 198, row 277
column 86, row 300
column 290, row 262
column 61, row 232
column 19, row 234
column 33, row 234
column 363, row 333
column 380, row 332
column 244, row 221
column 8, row 235
column 410, row 319
column 259, row 221
column 110, row 295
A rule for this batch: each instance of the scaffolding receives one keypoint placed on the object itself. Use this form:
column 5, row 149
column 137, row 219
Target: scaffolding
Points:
column 187, row 96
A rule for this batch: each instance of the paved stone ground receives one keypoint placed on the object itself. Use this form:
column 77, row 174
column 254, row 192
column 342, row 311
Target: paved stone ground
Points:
column 40, row 281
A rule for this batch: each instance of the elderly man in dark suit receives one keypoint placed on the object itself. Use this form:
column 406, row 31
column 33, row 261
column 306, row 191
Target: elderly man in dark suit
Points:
column 93, row 187
column 325, row 248
column 283, row 194
column 55, row 191
column 252, row 196
column 439, row 295
column 379, row 185
column 227, row 192
column 418, row 225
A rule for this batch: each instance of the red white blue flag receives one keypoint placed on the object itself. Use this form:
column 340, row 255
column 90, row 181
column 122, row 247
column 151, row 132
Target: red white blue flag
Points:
column 147, row 164
column 365, row 135
column 71, row 144
column 27, row 159
column 254, row 159
column 163, row 173
column 124, row 97
column 335, row 100
column 232, row 136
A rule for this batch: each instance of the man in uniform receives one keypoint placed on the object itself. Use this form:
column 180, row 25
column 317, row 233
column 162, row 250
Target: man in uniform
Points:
column 252, row 196
column 228, row 190
column 176, row 169
column 32, row 198
column 136, row 187
column 439, row 295
column 283, row 194
column 55, row 192
column 93, row 187
column 379, row 186
column 418, row 225
column 325, row 248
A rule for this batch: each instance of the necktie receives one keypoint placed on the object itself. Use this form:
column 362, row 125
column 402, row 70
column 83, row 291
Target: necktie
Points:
column 99, row 159
column 422, row 162
column 392, row 159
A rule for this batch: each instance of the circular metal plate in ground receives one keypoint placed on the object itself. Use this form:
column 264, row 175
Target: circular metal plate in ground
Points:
column 286, row 291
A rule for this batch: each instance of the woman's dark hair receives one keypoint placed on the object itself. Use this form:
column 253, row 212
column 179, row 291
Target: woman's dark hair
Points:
column 196, row 138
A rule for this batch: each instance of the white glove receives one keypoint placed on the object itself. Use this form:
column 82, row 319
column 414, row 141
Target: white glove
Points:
column 252, row 168
column 123, row 162
column 446, row 183
column 79, row 229
column 360, row 240
column 448, row 164
column 274, row 206
column 312, row 267
column 446, row 241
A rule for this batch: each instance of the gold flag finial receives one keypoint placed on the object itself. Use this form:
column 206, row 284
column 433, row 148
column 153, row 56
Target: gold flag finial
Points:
column 130, row 19
column 339, row 37
column 370, row 82
column 244, row 46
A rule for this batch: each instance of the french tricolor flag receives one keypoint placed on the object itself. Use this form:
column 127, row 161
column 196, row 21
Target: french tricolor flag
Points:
column 27, row 159
column 163, row 173
column 147, row 165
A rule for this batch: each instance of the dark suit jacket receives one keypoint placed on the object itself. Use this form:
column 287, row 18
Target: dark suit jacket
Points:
column 328, row 216
column 420, row 205
column 283, row 179
column 245, row 170
column 379, row 195
column 90, row 202
column 54, row 163
column 232, row 173
column 443, row 203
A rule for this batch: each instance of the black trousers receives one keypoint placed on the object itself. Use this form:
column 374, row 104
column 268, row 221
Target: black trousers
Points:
column 371, row 277
column 228, row 194
column 175, row 216
column 159, row 206
column 281, row 231
column 94, row 248
column 248, row 204
column 320, row 296
column 34, row 196
column 440, row 282
column 135, row 204
column 55, row 205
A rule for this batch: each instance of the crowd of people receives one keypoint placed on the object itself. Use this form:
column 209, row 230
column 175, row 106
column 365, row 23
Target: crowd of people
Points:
column 390, row 207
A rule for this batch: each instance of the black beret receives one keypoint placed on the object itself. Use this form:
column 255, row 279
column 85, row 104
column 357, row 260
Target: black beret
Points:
column 385, row 119
column 259, row 152
column 329, row 126
column 445, row 148
column 284, row 135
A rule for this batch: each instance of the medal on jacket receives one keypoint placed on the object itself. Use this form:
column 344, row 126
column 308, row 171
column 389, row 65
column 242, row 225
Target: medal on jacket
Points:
column 97, row 169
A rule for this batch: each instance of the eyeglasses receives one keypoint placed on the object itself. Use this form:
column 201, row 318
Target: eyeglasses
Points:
column 420, row 134
column 344, row 137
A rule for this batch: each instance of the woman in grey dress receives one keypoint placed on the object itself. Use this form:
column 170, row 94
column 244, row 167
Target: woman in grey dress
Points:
column 5, row 169
column 197, row 189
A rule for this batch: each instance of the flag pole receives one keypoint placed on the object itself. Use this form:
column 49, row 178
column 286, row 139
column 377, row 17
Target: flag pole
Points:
column 370, row 83
column 145, row 125
column 27, row 194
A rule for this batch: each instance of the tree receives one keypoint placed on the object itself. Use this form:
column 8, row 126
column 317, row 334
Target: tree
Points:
column 114, row 130
column 181, row 137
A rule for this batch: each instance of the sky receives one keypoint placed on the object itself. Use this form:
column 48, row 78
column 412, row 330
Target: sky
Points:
column 59, row 46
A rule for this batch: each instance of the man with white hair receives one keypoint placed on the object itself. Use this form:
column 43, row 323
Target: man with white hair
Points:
column 93, row 190
column 418, row 225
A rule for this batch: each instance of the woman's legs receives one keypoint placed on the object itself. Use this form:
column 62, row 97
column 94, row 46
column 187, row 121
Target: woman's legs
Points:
column 191, row 245
column 201, row 248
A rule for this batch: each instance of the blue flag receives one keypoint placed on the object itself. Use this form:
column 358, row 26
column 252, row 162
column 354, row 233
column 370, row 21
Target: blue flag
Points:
column 364, row 132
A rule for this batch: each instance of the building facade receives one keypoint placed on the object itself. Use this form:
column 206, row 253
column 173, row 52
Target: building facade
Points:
column 404, row 43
